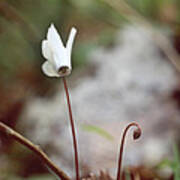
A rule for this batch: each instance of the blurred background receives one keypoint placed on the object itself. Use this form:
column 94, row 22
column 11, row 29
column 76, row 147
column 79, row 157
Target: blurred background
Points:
column 126, row 67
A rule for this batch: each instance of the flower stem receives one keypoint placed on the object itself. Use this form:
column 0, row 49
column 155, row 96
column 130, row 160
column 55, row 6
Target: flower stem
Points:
column 72, row 129
column 36, row 149
column 136, row 135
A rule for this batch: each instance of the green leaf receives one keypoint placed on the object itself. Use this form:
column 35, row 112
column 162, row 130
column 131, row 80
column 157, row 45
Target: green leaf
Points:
column 176, row 163
column 173, row 164
column 97, row 130
column 165, row 163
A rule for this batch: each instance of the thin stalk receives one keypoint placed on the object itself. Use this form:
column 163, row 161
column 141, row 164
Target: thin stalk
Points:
column 36, row 149
column 72, row 129
column 136, row 135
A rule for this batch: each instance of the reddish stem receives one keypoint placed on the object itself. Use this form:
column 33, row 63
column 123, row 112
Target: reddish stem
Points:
column 36, row 149
column 136, row 135
column 72, row 129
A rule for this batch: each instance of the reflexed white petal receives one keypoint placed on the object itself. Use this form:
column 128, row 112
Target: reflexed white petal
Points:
column 54, row 39
column 58, row 56
column 46, row 49
column 49, row 70
column 71, row 40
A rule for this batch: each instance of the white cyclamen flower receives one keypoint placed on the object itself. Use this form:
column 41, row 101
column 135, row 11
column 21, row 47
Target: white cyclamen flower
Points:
column 58, row 56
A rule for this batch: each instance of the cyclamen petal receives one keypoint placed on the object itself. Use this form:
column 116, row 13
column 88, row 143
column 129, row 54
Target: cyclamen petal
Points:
column 58, row 56
column 71, row 39
column 54, row 38
column 49, row 70
column 46, row 50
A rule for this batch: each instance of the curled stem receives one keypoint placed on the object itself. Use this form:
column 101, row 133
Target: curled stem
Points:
column 36, row 149
column 136, row 135
column 72, row 129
